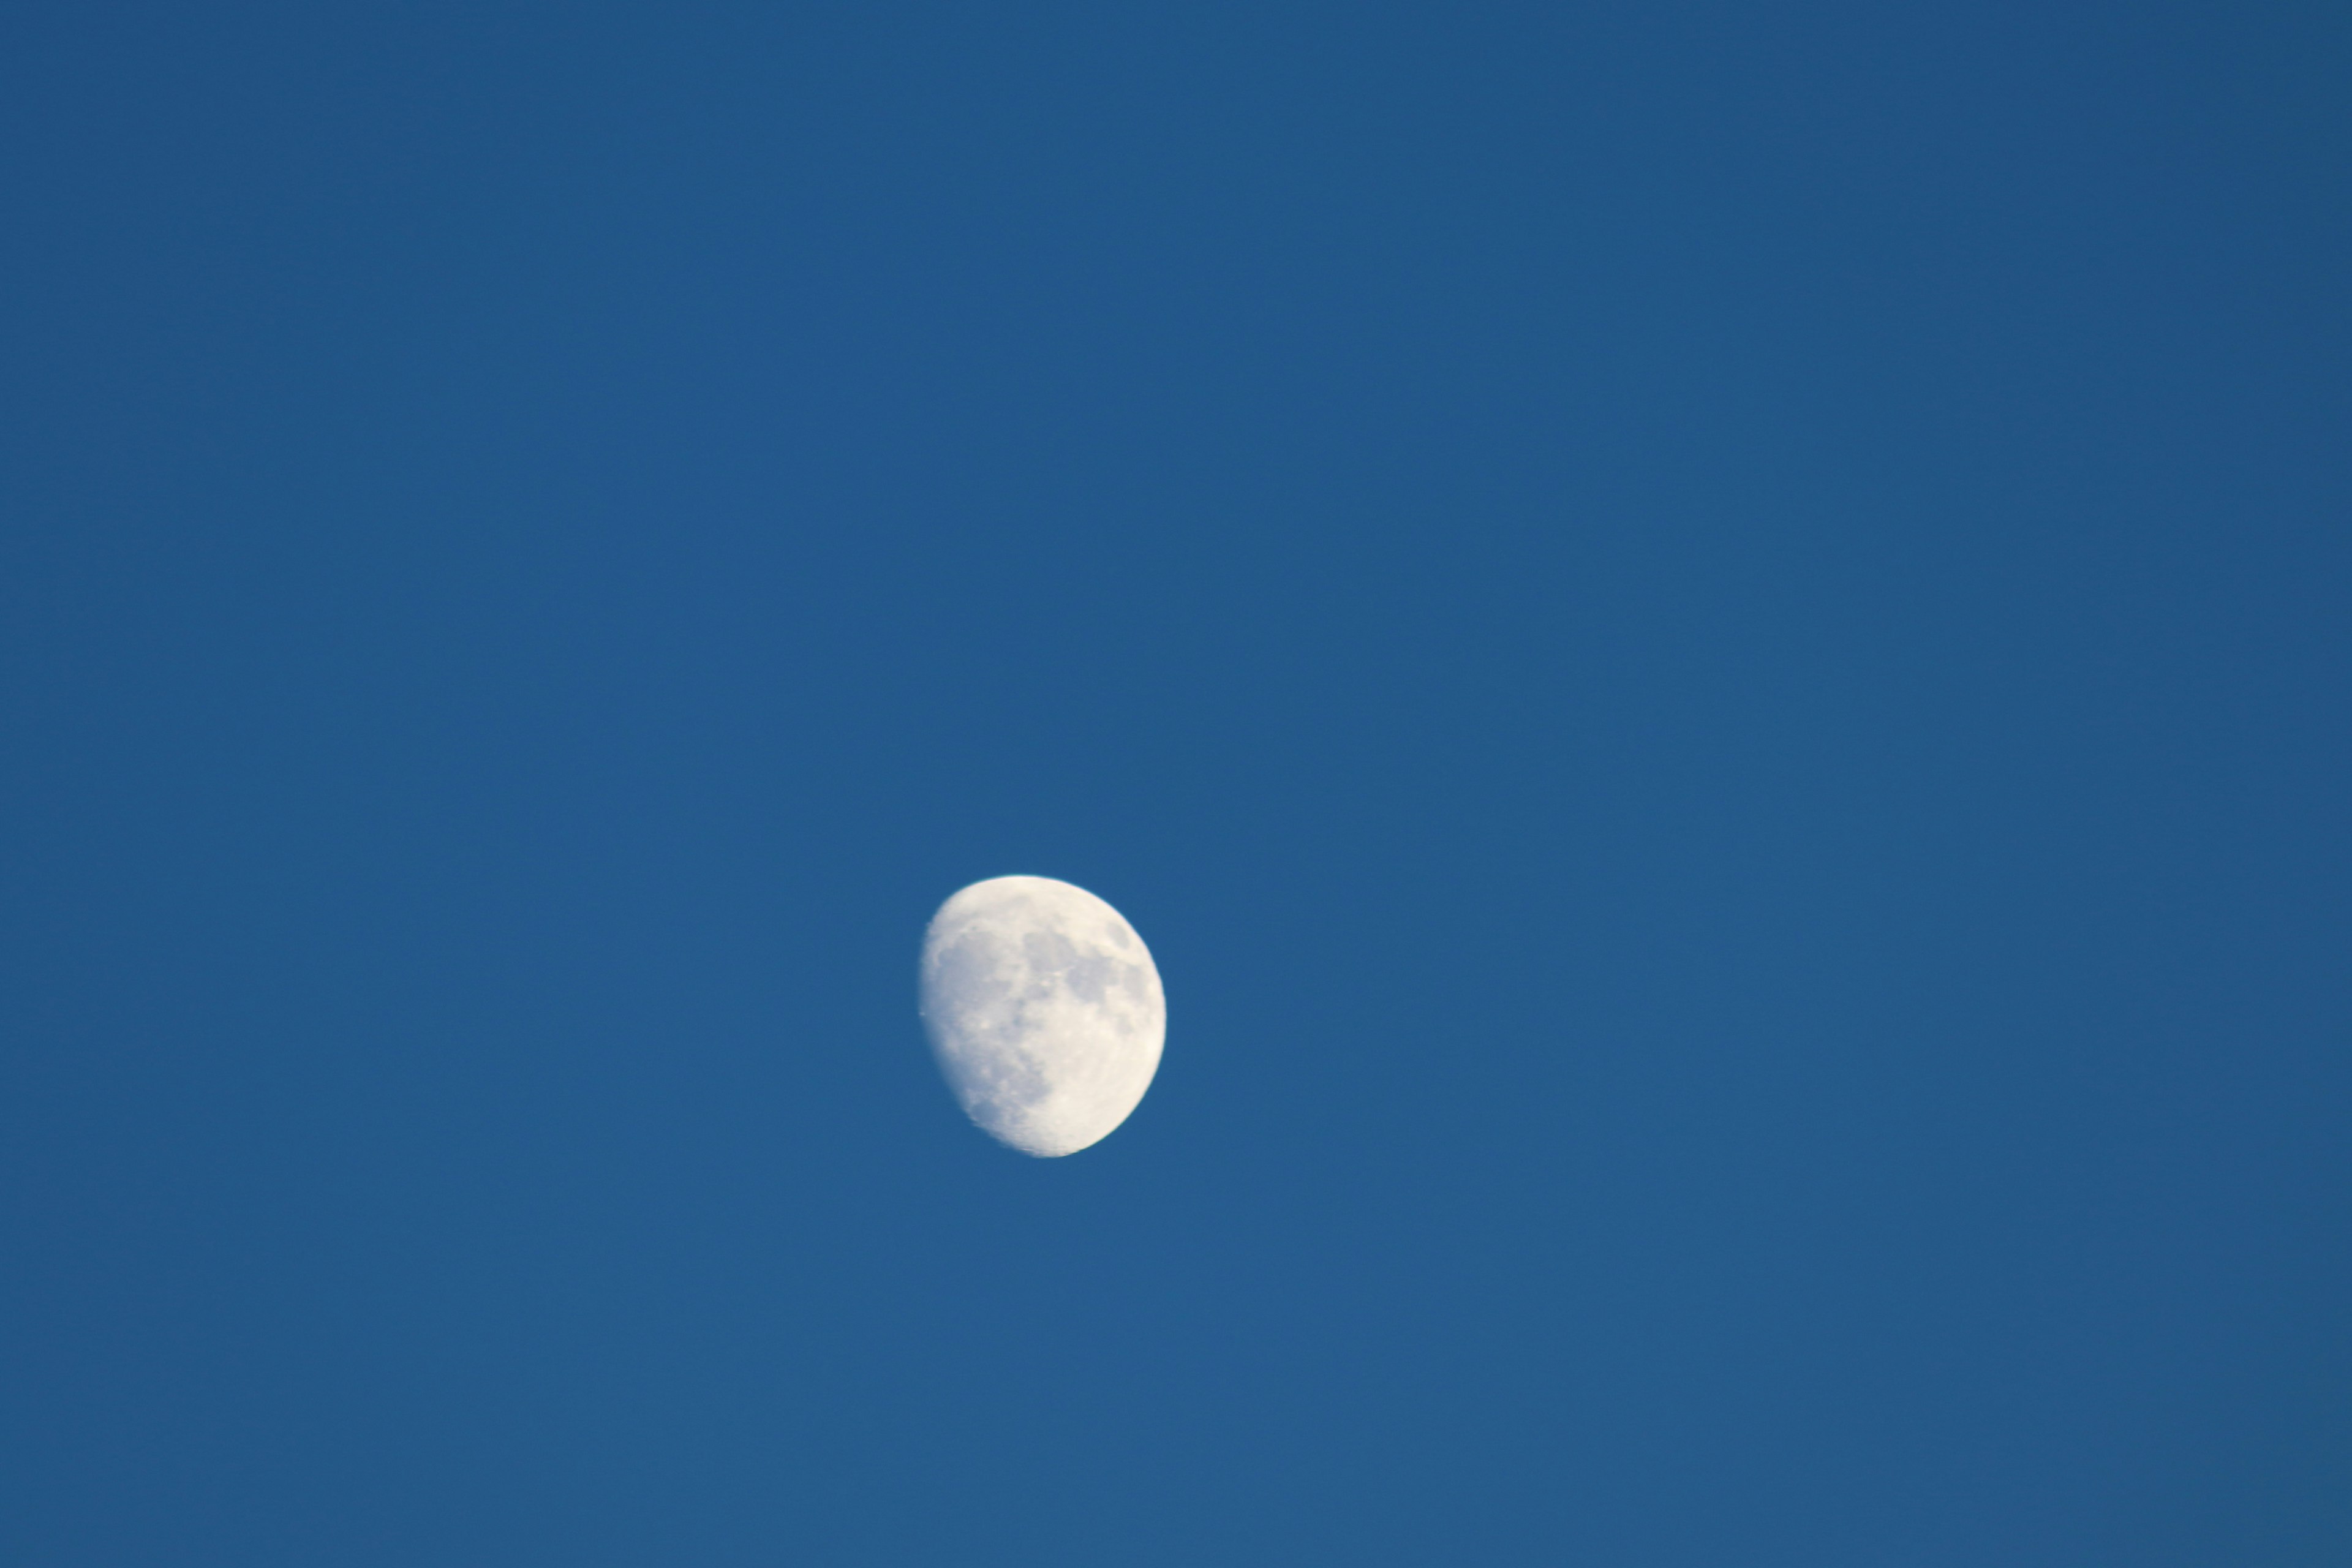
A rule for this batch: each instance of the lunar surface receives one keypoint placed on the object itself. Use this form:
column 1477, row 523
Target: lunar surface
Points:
column 1044, row 1009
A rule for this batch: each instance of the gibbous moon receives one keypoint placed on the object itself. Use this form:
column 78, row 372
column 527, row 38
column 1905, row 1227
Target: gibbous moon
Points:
column 1044, row 1009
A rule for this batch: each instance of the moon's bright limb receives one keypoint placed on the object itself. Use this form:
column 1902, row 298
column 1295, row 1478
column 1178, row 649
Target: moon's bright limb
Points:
column 1044, row 1011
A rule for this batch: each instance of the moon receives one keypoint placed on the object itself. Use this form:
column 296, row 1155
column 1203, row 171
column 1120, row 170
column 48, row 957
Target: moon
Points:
column 1045, row 1012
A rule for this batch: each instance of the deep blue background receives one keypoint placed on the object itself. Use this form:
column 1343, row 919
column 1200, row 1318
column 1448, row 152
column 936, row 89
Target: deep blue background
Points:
column 1714, row 645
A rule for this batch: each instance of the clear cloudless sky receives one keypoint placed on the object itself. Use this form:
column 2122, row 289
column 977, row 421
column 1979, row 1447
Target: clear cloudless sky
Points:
column 1713, row 643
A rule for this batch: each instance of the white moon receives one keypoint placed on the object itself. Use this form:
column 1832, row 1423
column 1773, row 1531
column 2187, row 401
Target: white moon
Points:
column 1044, row 1011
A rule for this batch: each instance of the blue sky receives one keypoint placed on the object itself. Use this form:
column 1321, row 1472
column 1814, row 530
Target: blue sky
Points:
column 1710, row 644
